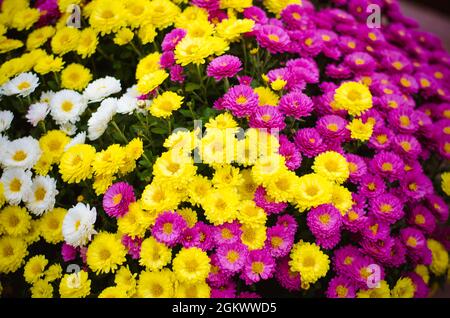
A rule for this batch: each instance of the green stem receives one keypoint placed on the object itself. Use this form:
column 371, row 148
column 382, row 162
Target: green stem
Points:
column 192, row 111
column 135, row 49
column 56, row 78
column 169, row 125
column 227, row 84
column 104, row 54
column 119, row 131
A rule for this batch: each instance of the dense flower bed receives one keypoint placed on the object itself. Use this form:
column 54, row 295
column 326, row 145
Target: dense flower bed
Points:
column 221, row 148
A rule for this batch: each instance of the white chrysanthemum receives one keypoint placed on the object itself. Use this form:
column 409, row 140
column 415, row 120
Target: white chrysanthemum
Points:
column 129, row 102
column 68, row 128
column 21, row 153
column 78, row 225
column 16, row 184
column 37, row 112
column 6, row 117
column 46, row 97
column 79, row 139
column 99, row 121
column 42, row 195
column 23, row 85
column 66, row 106
column 102, row 88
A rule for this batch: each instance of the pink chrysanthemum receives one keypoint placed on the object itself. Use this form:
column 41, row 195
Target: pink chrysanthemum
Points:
column 387, row 207
column 169, row 227
column 68, row 252
column 133, row 245
column 269, row 206
column 324, row 221
column 272, row 37
column 309, row 142
column 231, row 257
column 224, row 66
column 267, row 117
column 288, row 222
column 296, row 104
column 289, row 151
column 259, row 265
column 279, row 241
column 388, row 165
column 227, row 233
column 172, row 38
column 117, row 199
column 340, row 287
column 241, row 100
column 287, row 279
column 422, row 218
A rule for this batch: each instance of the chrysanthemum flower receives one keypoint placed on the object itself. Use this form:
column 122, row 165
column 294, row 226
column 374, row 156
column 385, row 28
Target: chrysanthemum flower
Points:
column 75, row 164
column 165, row 104
column 75, row 285
column 105, row 253
column 50, row 225
column 353, row 97
column 387, row 207
column 241, row 100
column 279, row 241
column 223, row 67
column 15, row 221
column 310, row 261
column 168, row 227
column 359, row 130
column 117, row 199
column 312, row 191
column 78, row 225
column 440, row 257
column 309, row 142
column 154, row 255
column 272, row 37
column 191, row 265
column 221, row 206
column 332, row 166
column 156, row 284
column 34, row 268
column 341, row 287
column 232, row 257
column 259, row 265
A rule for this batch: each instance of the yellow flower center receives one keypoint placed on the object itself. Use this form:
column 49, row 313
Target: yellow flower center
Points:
column 117, row 198
column 24, row 85
column 324, row 218
column 372, row 36
column 404, row 121
column 438, row 75
column 312, row 190
column 352, row 215
column 348, row 260
column 412, row 186
column 274, row 37
column 296, row 16
column 39, row 194
column 67, row 106
column 371, row 186
column 359, row 62
column 374, row 228
column 332, row 127
column 381, row 139
column 309, row 41
column 354, row 95
column 425, row 83
column 226, row 234
column 77, row 225
column 405, row 82
column 411, row 241
column 341, row 291
column 386, row 208
column 351, row 44
column 8, row 251
column 266, row 118
column 191, row 265
column 387, row 166
column 232, row 256
column 241, row 100
column 309, row 261
column 352, row 167
column 156, row 289
column 107, row 14
column 405, row 145
column 167, row 228
column 276, row 241
column 258, row 267
column 104, row 254
column 15, row 185
column 419, row 219
column 13, row 221
column 397, row 65
column 20, row 155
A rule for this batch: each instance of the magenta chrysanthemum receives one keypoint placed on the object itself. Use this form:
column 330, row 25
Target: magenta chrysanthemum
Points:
column 117, row 199
column 169, row 227
column 223, row 67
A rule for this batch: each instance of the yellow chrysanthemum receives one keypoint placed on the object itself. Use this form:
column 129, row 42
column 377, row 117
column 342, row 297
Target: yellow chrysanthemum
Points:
column 190, row 14
column 154, row 255
column 14, row 221
column 217, row 147
column 332, row 165
column 266, row 96
column 75, row 285
column 165, row 104
column 75, row 76
column 250, row 214
column 105, row 253
column 199, row 29
column 341, row 198
column 34, row 234
column 276, row 6
column 157, row 198
column 7, row 45
column 404, row 288
column 63, row 5
column 278, row 84
column 137, row 12
column 148, row 64
column 107, row 16
column 65, row 40
column 248, row 187
column 423, row 272
column 191, row 265
column 253, row 237
column 123, row 36
column 359, row 130
column 222, row 121
column 445, row 183
column 182, row 141
column 53, row 143
column 87, row 42
column 186, row 290
column 282, row 186
column 49, row 63
column 163, row 13
column 150, row 81
column 102, row 183
column 189, row 215
column 353, row 97
column 221, row 206
column 382, row 291
column 155, row 285
column 147, row 33
column 39, row 36
column 136, row 222
column 13, row 251
column 312, row 191
column 232, row 28
column 25, row 18
column 108, row 161
column 51, row 225
column 75, row 164
column 193, row 50
column 309, row 261
column 41, row 289
column 34, row 268
column 267, row 167
column 199, row 189
column 53, row 273
column 238, row 5
column 113, row 292
column 439, row 262
column 174, row 168
column 126, row 280
column 226, row 176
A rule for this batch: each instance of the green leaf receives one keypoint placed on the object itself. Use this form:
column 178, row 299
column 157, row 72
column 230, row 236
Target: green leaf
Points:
column 159, row 130
column 191, row 87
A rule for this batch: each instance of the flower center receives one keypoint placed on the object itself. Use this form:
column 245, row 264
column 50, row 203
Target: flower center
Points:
column 419, row 219
column 8, row 251
column 117, row 198
column 67, row 106
column 332, row 127
column 276, row 241
column 324, row 218
column 352, row 215
column 412, row 186
column 104, row 254
column 24, row 85
column 167, row 228
column 191, row 266
column 258, row 267
column 312, row 191
column 352, row 167
column 354, row 95
column 341, row 291
column 241, row 100
column 232, row 256
column 274, row 37
column 157, row 290
column 20, row 155
column 226, row 234
column 39, row 194
column 266, row 118
column 381, row 139
column 309, row 261
column 77, row 225
column 412, row 242
column 371, row 186
column 386, row 208
column 13, row 221
column 387, row 166
column 15, row 185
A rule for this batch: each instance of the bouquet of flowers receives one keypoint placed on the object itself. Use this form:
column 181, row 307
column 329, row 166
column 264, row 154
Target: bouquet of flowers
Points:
column 222, row 148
